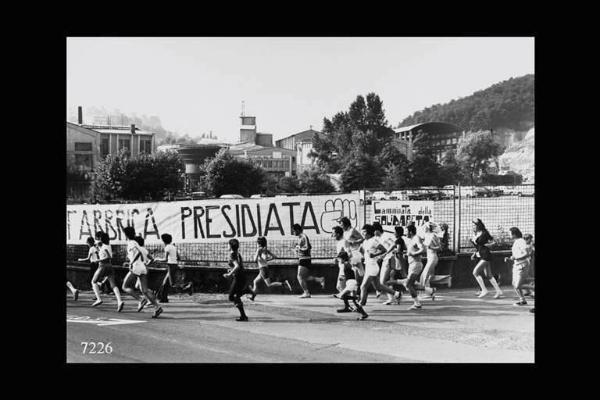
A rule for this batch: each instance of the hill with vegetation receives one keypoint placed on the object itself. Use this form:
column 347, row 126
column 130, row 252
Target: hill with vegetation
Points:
column 508, row 105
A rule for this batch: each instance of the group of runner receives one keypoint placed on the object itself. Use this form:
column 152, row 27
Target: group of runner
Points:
column 373, row 257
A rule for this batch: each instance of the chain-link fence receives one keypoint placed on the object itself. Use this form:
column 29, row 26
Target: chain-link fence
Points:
column 498, row 207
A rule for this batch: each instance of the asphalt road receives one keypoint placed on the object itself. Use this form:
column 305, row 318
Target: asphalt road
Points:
column 456, row 327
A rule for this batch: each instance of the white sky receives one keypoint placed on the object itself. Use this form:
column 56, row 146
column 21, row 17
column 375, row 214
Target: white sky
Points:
column 197, row 84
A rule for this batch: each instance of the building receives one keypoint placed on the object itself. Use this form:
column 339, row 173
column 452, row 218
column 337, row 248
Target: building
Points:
column 442, row 135
column 302, row 144
column 193, row 156
column 258, row 148
column 88, row 144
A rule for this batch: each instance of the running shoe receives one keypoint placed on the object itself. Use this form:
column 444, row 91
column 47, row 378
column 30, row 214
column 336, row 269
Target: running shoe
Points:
column 243, row 319
column 397, row 295
column 388, row 302
column 120, row 306
column 483, row 294
column 415, row 307
column 520, row 303
column 287, row 284
column 362, row 317
column 97, row 303
column 304, row 296
column 336, row 295
column 76, row 294
column 342, row 310
column 142, row 304
column 253, row 296
column 157, row 312
column 377, row 294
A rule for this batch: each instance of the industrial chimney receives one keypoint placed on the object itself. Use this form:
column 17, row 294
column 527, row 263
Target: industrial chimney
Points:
column 79, row 115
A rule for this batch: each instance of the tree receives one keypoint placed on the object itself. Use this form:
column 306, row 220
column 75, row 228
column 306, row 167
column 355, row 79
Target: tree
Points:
column 424, row 171
column 288, row 184
column 363, row 129
column 145, row 177
column 396, row 176
column 474, row 152
column 361, row 172
column 315, row 181
column 225, row 174
column 450, row 172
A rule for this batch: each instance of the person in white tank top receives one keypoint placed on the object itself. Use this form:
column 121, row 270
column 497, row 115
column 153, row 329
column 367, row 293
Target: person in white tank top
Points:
column 432, row 245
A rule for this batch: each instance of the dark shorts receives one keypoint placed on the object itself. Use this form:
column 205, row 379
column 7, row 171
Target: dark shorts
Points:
column 105, row 270
column 305, row 262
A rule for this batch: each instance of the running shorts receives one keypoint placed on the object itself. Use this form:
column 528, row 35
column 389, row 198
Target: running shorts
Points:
column 351, row 285
column 371, row 268
column 415, row 268
column 139, row 269
column 304, row 262
column 105, row 270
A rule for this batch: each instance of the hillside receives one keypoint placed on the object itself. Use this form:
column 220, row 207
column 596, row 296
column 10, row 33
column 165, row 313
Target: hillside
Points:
column 508, row 105
column 520, row 157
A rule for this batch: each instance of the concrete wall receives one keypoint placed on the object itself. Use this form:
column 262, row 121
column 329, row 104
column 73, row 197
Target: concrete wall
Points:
column 209, row 279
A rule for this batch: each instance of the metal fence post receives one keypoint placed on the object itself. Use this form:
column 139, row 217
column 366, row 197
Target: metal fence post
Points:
column 457, row 249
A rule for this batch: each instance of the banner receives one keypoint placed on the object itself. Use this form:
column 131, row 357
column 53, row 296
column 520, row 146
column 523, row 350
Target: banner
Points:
column 215, row 220
column 392, row 213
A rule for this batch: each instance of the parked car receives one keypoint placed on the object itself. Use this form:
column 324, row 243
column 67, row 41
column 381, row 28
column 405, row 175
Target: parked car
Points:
column 231, row 196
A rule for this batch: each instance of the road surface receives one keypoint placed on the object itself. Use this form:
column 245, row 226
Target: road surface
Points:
column 456, row 327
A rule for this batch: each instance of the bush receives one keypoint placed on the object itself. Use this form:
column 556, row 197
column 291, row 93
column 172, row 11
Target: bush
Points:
column 225, row 174
column 146, row 177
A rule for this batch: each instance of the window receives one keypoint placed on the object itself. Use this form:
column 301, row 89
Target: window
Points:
column 104, row 145
column 83, row 146
column 145, row 146
column 125, row 144
column 83, row 161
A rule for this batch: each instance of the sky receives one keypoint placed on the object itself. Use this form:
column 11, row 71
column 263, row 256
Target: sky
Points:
column 197, row 85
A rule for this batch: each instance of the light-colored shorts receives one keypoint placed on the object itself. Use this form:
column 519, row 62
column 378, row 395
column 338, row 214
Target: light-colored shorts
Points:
column 519, row 273
column 139, row 269
column 351, row 285
column 371, row 268
column 415, row 268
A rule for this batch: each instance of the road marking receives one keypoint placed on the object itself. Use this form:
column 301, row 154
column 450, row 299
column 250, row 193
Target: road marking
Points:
column 102, row 321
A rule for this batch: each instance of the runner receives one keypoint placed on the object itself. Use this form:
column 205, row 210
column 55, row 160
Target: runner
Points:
column 105, row 268
column 340, row 242
column 304, row 262
column 73, row 290
column 372, row 249
column 520, row 259
column 262, row 258
column 173, row 277
column 483, row 268
column 388, row 241
column 353, row 241
column 350, row 291
column 138, row 258
column 415, row 251
column 238, row 282
column 92, row 256
column 528, row 290
column 432, row 243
